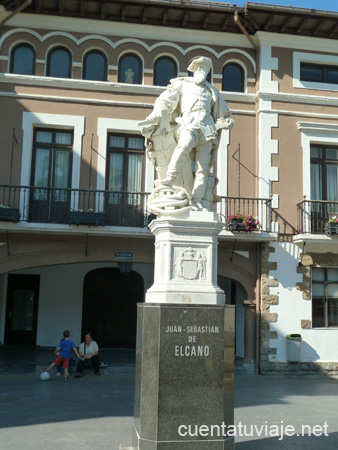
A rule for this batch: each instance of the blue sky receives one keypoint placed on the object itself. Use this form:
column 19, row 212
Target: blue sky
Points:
column 328, row 5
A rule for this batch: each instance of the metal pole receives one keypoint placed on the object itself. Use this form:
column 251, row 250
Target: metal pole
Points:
column 90, row 164
column 239, row 167
column 90, row 169
column 11, row 167
column 239, row 170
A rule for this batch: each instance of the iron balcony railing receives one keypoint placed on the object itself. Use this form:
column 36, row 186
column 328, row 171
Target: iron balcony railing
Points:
column 74, row 206
column 312, row 215
column 259, row 208
column 91, row 207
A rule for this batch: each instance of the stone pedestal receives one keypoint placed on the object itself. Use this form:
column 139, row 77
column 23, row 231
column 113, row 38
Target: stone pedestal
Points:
column 184, row 377
column 186, row 259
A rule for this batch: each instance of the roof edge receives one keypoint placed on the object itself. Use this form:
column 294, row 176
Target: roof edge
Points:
column 293, row 9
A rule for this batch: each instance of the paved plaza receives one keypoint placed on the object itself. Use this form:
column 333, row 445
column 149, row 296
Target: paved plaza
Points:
column 96, row 413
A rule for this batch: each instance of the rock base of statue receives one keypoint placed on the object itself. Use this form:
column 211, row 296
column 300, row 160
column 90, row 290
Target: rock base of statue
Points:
column 186, row 259
column 184, row 377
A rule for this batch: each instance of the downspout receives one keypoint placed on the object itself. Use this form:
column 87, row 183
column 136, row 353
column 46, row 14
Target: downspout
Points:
column 14, row 13
column 243, row 30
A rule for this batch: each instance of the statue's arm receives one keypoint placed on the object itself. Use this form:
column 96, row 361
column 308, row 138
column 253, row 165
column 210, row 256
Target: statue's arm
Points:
column 221, row 113
column 167, row 101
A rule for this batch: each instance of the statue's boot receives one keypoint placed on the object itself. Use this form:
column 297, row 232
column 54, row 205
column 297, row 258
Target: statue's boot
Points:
column 167, row 181
column 197, row 205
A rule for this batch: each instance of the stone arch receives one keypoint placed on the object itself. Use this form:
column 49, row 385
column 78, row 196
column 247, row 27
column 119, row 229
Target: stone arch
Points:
column 19, row 252
column 241, row 276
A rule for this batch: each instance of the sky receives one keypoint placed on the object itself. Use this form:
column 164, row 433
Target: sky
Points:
column 328, row 5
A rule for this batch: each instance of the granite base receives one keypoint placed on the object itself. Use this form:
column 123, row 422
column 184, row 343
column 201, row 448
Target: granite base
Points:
column 184, row 377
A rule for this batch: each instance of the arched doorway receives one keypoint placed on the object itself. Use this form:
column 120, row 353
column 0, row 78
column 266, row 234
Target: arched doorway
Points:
column 109, row 306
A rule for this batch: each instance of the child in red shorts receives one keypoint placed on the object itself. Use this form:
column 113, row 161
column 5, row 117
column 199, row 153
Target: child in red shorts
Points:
column 64, row 348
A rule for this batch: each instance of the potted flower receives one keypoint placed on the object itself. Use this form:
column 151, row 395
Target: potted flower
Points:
column 331, row 226
column 89, row 217
column 8, row 214
column 239, row 222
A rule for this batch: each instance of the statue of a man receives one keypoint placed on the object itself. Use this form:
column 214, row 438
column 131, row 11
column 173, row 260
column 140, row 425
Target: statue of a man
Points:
column 200, row 111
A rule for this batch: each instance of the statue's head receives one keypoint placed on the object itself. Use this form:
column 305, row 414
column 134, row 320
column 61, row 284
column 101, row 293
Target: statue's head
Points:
column 200, row 68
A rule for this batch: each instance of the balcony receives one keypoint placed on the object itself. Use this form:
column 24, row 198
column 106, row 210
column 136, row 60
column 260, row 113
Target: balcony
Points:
column 313, row 215
column 312, row 233
column 245, row 206
column 73, row 206
column 105, row 208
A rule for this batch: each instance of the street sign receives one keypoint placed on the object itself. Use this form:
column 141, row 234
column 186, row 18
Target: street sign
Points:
column 123, row 256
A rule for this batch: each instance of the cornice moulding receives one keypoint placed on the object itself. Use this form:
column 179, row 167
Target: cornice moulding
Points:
column 296, row 42
column 105, row 86
column 312, row 127
column 80, row 84
column 297, row 98
column 108, row 230
column 89, row 101
column 102, row 27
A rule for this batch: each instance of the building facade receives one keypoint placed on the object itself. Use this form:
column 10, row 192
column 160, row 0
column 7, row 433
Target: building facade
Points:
column 75, row 249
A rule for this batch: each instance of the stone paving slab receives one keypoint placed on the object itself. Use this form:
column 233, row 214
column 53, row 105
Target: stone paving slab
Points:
column 32, row 359
column 96, row 413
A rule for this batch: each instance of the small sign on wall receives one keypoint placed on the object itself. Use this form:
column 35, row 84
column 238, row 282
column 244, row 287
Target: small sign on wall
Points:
column 123, row 256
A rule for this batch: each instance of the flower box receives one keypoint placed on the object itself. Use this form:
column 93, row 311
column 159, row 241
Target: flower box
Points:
column 331, row 228
column 86, row 218
column 239, row 222
column 235, row 224
column 9, row 214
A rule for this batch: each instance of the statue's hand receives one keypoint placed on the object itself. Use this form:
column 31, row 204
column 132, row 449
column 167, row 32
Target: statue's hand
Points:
column 154, row 117
column 224, row 123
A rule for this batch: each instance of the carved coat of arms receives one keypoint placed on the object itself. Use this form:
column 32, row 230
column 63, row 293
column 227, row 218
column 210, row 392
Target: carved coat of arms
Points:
column 190, row 265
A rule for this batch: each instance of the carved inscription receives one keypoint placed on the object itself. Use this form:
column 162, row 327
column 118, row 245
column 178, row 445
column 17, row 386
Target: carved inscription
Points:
column 192, row 349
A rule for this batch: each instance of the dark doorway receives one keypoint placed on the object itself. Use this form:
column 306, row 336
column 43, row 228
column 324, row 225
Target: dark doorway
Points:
column 235, row 295
column 109, row 306
column 22, row 309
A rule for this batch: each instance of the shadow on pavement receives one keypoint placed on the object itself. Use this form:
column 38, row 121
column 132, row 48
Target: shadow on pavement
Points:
column 291, row 443
column 25, row 400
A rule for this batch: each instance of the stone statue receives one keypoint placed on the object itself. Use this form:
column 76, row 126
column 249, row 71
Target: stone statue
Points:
column 182, row 135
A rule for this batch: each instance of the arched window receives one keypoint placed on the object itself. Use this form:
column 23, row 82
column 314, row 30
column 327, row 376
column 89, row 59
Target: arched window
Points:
column 59, row 63
column 95, row 66
column 165, row 69
column 233, row 78
column 23, row 60
column 130, row 69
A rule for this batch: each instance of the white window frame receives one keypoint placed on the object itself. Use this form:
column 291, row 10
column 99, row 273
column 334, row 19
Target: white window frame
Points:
column 312, row 134
column 312, row 58
column 122, row 126
column 30, row 121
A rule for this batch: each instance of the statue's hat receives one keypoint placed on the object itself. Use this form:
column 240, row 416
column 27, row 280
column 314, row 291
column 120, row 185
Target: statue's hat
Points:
column 202, row 61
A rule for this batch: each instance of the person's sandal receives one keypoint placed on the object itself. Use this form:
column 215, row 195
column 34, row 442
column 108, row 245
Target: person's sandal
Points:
column 66, row 379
